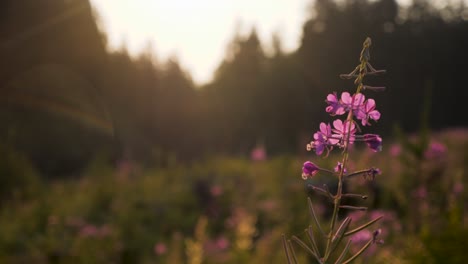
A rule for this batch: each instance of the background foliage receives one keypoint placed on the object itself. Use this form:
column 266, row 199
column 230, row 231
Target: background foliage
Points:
column 106, row 157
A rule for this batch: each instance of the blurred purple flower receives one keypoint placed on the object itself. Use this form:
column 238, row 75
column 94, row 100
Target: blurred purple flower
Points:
column 89, row 231
column 395, row 150
column 458, row 188
column 258, row 153
column 362, row 236
column 373, row 141
column 420, row 192
column 309, row 169
column 216, row 190
column 160, row 248
column 435, row 150
column 222, row 243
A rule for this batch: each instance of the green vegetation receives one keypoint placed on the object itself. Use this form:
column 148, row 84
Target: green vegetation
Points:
column 231, row 210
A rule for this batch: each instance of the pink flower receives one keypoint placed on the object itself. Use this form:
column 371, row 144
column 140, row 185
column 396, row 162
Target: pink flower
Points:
column 322, row 139
column 160, row 248
column 435, row 150
column 368, row 111
column 352, row 102
column 341, row 131
column 335, row 107
column 222, row 243
column 89, row 231
column 395, row 150
column 258, row 154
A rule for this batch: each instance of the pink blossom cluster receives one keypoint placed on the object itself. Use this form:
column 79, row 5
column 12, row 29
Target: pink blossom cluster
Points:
column 344, row 131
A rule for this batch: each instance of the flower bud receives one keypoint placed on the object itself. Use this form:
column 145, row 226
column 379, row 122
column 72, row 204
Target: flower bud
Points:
column 309, row 169
column 373, row 141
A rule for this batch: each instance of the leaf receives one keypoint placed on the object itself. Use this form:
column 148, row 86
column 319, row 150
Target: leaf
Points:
column 292, row 250
column 310, row 233
column 303, row 245
column 357, row 229
column 343, row 254
column 312, row 212
column 286, row 250
column 340, row 233
column 359, row 252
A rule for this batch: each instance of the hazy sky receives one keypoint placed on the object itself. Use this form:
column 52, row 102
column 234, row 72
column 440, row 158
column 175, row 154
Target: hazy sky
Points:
column 197, row 31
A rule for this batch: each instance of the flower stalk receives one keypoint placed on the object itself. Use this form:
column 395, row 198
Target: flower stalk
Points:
column 342, row 135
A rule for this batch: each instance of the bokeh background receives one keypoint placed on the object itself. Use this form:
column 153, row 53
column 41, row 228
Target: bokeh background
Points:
column 108, row 157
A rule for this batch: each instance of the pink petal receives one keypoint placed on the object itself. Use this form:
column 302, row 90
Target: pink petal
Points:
column 370, row 105
column 375, row 115
column 346, row 98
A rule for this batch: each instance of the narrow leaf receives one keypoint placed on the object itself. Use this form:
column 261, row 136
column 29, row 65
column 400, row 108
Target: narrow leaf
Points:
column 339, row 235
column 359, row 252
column 310, row 233
column 312, row 212
column 357, row 229
column 359, row 208
column 286, row 250
column 343, row 254
column 342, row 229
column 292, row 251
column 304, row 246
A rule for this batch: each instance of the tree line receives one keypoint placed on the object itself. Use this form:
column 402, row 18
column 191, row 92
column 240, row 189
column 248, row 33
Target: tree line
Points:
column 65, row 98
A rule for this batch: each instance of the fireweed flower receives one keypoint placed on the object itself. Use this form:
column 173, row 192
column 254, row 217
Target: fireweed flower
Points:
column 309, row 169
column 341, row 132
column 335, row 107
column 368, row 111
column 322, row 139
column 354, row 102
column 341, row 135
column 373, row 141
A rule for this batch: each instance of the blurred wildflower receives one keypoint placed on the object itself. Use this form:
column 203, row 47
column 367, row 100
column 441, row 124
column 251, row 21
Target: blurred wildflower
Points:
column 420, row 192
column 89, row 230
column 435, row 150
column 458, row 188
column 194, row 247
column 245, row 232
column 160, row 248
column 258, row 153
column 216, row 190
column 222, row 243
column 395, row 150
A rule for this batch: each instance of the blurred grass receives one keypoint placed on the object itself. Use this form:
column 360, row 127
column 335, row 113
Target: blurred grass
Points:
column 129, row 214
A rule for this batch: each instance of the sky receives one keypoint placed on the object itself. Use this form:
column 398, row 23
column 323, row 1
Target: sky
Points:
column 197, row 32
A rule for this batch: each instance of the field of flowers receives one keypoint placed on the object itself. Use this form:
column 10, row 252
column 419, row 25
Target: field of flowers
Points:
column 235, row 210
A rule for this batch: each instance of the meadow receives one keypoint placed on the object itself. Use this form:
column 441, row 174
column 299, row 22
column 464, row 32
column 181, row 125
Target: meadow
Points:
column 234, row 209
